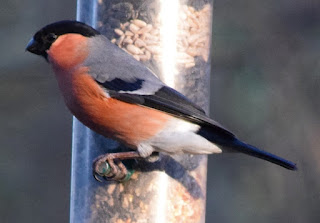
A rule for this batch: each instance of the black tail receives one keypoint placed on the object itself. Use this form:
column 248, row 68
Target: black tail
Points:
column 231, row 142
column 253, row 151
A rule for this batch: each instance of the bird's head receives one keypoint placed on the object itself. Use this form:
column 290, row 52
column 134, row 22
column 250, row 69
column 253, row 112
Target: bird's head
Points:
column 48, row 35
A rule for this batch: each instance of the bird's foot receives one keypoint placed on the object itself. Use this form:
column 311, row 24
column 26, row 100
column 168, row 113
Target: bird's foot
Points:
column 110, row 167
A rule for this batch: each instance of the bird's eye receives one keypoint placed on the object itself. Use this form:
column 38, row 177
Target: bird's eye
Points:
column 51, row 37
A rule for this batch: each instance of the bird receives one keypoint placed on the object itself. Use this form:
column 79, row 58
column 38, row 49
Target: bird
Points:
column 118, row 97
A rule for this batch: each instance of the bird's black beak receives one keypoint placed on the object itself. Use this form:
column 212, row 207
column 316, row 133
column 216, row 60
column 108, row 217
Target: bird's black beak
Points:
column 34, row 47
column 37, row 48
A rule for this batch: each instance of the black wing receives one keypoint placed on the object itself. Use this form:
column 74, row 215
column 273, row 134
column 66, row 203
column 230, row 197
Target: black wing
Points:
column 164, row 99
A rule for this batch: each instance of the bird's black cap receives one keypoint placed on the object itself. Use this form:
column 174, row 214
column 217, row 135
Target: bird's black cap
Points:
column 43, row 39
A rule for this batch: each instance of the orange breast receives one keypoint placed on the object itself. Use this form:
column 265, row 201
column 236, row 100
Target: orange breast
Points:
column 68, row 51
column 122, row 121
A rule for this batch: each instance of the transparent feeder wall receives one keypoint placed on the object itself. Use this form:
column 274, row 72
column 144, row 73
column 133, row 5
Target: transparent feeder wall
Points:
column 172, row 38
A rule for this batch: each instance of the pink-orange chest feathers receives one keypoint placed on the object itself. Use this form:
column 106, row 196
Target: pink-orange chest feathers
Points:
column 68, row 51
column 122, row 121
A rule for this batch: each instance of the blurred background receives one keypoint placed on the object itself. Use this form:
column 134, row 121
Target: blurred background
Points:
column 265, row 87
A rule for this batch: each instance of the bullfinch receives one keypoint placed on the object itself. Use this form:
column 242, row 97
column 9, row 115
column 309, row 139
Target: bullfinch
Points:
column 118, row 97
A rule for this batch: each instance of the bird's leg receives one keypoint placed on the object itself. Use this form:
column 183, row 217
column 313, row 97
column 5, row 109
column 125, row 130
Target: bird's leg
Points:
column 110, row 167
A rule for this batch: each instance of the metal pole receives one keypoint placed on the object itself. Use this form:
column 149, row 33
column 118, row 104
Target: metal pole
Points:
column 172, row 38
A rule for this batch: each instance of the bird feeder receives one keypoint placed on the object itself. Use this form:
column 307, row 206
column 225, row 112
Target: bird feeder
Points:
column 172, row 38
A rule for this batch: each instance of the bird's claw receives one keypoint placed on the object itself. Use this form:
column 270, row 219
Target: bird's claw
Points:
column 101, row 169
column 111, row 170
